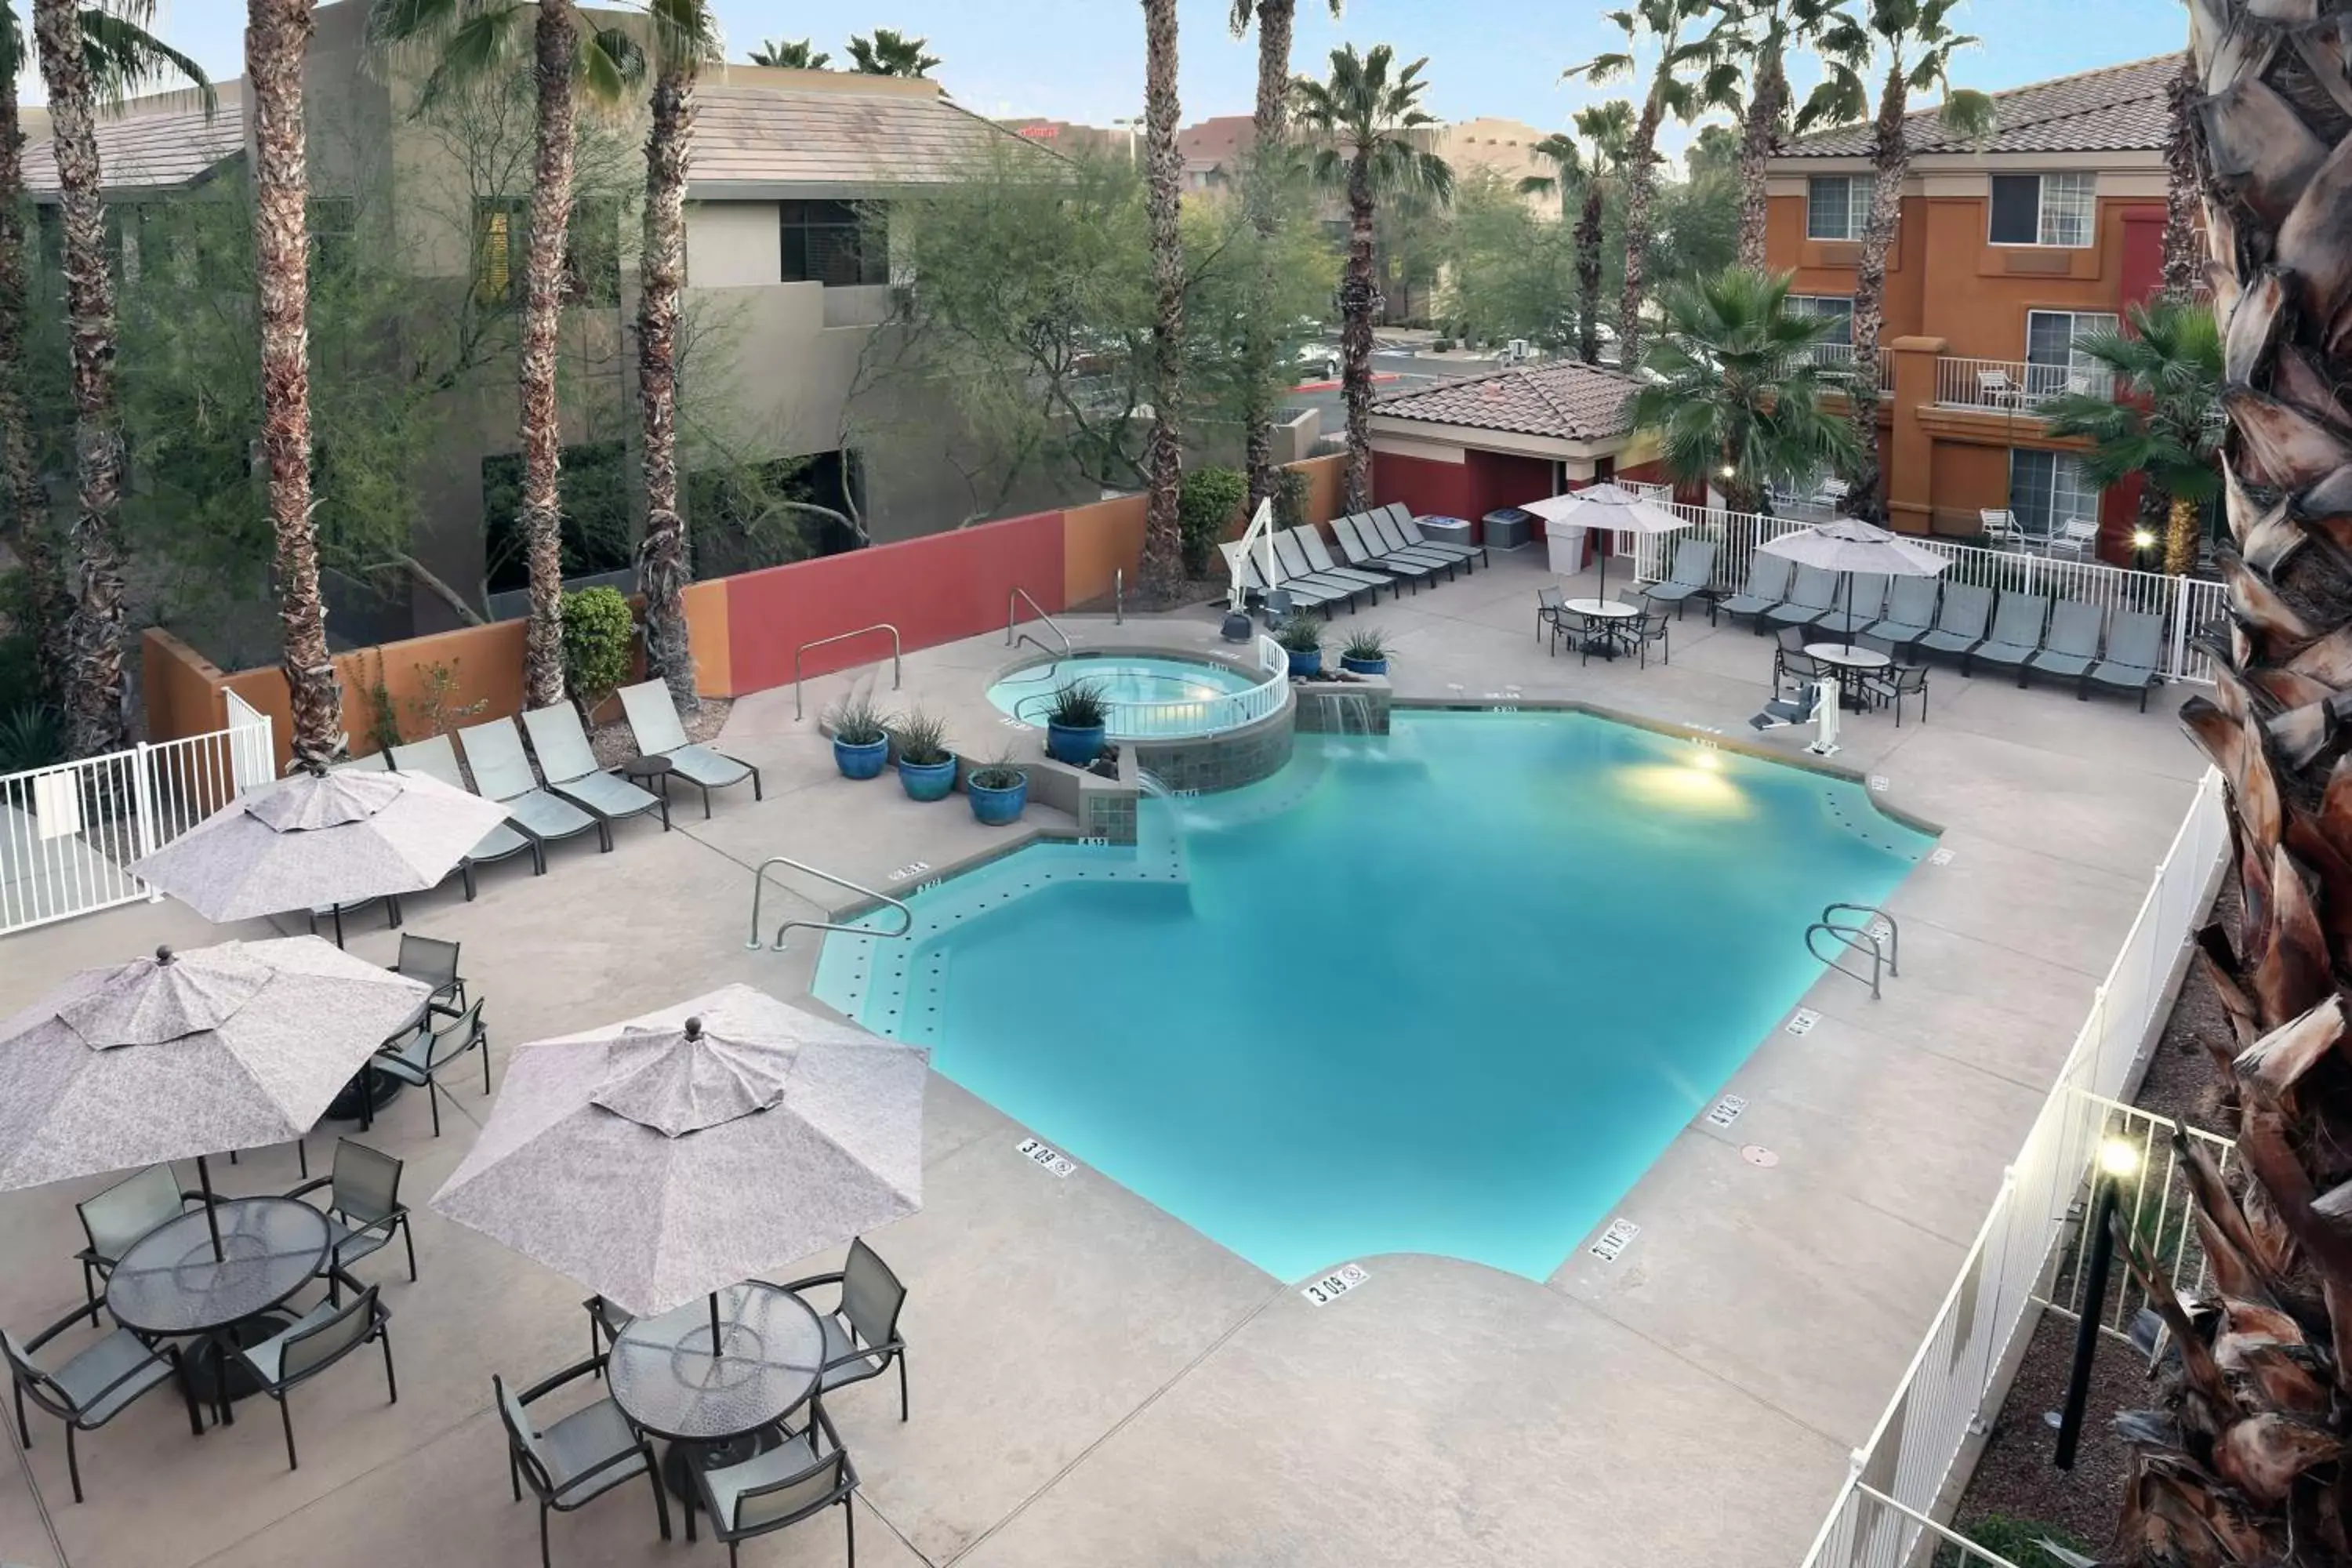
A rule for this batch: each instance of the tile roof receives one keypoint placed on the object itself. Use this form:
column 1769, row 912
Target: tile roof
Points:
column 2116, row 109
column 149, row 150
column 776, row 136
column 1566, row 400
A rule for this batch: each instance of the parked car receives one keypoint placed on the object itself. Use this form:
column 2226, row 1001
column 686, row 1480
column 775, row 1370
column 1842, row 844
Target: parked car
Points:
column 1318, row 359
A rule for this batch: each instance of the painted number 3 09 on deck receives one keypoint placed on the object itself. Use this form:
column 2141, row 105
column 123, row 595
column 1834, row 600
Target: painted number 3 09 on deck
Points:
column 1332, row 1286
column 1046, row 1156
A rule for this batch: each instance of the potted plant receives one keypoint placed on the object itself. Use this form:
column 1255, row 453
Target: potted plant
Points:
column 998, row 792
column 1301, row 637
column 927, row 769
column 1076, row 722
column 1365, row 652
column 861, row 737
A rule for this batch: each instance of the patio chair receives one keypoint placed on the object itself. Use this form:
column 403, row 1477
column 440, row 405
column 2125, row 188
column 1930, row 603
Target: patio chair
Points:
column 1409, row 530
column 1318, row 557
column 1359, row 553
column 363, row 1206
column 120, row 1216
column 1910, row 612
column 435, row 757
column 315, row 1342
column 607, row 1318
column 577, row 1458
column 2016, row 635
column 569, row 762
column 1767, row 587
column 1304, row 596
column 1294, row 569
column 502, row 773
column 652, row 719
column 1690, row 577
column 373, row 762
column 1379, row 527
column 1996, row 390
column 1793, row 666
column 861, row 1331
column 1810, row 597
column 1960, row 621
column 434, row 961
column 808, row 1474
column 1603, row 634
column 1638, row 634
column 2134, row 649
column 2072, row 645
column 1895, row 682
column 417, row 1057
column 1549, row 611
column 2000, row 525
column 94, row 1384
column 2078, row 537
column 1866, row 595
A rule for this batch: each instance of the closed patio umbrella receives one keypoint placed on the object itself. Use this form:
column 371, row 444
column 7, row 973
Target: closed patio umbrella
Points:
column 1610, row 508
column 1849, row 545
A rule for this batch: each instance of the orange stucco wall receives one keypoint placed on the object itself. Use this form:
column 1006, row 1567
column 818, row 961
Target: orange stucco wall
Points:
column 1099, row 541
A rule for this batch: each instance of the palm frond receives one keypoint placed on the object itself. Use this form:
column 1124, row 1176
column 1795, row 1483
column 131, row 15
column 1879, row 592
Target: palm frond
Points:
column 125, row 56
column 609, row 65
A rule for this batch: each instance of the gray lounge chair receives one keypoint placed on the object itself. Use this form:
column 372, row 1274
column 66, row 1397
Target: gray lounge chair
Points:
column 2134, row 649
column 2016, row 635
column 1305, row 595
column 1910, row 611
column 1361, row 553
column 2072, row 645
column 1959, row 620
column 570, row 765
column 435, row 757
column 1692, row 571
column 502, row 773
column 1809, row 598
column 1408, row 529
column 1858, row 604
column 1378, row 527
column 653, row 719
column 1318, row 557
column 1767, row 586
column 1294, row 569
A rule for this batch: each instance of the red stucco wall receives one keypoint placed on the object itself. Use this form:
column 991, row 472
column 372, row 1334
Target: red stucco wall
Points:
column 1428, row 488
column 1500, row 479
column 2142, row 263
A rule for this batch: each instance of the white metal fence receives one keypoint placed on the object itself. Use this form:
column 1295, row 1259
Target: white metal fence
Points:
column 2014, row 387
column 2186, row 604
column 2022, row 1258
column 69, row 834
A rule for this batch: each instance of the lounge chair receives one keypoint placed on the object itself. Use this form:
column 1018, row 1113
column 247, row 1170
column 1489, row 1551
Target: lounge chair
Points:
column 2072, row 645
column 1361, row 555
column 2135, row 647
column 1910, row 611
column 1304, row 596
column 502, row 773
column 1294, row 569
column 436, row 758
column 1409, row 530
column 1692, row 571
column 1959, row 620
column 1860, row 604
column 570, row 765
column 1768, row 585
column 1810, row 597
column 653, row 719
column 1318, row 557
column 1378, row 527
column 2016, row 635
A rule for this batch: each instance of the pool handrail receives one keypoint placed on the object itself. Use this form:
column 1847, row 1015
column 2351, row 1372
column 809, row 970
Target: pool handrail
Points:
column 1012, row 603
column 896, row 669
column 758, row 885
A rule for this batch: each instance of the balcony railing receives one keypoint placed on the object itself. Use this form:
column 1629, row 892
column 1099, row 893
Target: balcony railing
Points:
column 2013, row 386
column 1836, row 362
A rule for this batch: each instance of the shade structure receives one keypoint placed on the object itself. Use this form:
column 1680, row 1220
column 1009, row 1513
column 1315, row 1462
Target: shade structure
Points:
column 1610, row 508
column 664, row 1158
column 315, row 839
column 1848, row 545
column 183, row 1054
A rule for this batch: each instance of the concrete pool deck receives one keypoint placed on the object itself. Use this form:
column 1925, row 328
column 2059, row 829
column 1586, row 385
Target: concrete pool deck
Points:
column 1094, row 1382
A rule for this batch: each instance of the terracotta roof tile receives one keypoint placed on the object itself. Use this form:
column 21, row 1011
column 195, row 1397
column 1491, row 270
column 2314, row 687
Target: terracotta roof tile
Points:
column 2116, row 109
column 1566, row 400
column 148, row 150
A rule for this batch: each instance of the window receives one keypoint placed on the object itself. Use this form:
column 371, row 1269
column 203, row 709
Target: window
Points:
column 1837, row 206
column 1836, row 307
column 2046, row 490
column 835, row 243
column 331, row 221
column 498, row 229
column 2055, row 359
column 592, row 251
column 2045, row 209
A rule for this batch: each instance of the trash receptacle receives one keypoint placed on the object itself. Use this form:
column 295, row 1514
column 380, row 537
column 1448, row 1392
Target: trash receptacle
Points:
column 1508, row 528
column 1444, row 530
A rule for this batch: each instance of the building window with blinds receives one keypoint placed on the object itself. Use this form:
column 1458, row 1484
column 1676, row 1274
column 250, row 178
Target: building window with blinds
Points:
column 1837, row 206
column 2056, row 210
column 838, row 244
column 2049, row 489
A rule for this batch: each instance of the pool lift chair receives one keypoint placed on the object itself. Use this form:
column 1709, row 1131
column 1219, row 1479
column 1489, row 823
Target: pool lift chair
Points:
column 1815, row 702
column 1258, row 536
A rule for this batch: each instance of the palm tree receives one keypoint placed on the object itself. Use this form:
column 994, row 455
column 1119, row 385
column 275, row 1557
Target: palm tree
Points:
column 1162, row 568
column 2183, row 151
column 478, row 40
column 1735, row 397
column 685, row 37
column 1604, row 128
column 2164, row 421
column 791, row 54
column 1919, row 47
column 1755, row 38
column 1662, row 28
column 1365, row 119
column 886, row 53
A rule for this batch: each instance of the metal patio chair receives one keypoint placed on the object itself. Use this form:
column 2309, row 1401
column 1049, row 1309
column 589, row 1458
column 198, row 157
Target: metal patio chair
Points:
column 93, row 1385
column 315, row 1342
column 575, row 1458
column 363, row 1206
column 120, row 1216
column 861, row 1331
column 417, row 1057
column 434, row 961
column 808, row 1474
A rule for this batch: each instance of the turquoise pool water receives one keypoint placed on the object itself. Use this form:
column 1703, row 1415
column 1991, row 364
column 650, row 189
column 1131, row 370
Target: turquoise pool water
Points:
column 1150, row 697
column 1449, row 991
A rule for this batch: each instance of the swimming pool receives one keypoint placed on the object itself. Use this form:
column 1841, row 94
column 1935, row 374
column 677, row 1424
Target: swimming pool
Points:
column 1151, row 696
column 1448, row 991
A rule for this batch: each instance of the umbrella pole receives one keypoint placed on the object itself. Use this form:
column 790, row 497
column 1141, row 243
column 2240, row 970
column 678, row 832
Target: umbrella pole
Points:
column 714, row 1327
column 1602, row 545
column 211, row 1214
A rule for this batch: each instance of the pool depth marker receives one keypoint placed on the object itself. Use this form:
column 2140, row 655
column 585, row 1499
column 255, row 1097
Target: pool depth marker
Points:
column 1046, row 1157
column 1613, row 1242
column 1322, row 1292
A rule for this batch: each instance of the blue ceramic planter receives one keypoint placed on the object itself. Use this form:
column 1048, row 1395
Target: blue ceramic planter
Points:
column 928, row 780
column 1363, row 666
column 1077, row 747
column 861, row 762
column 997, row 807
column 1305, row 666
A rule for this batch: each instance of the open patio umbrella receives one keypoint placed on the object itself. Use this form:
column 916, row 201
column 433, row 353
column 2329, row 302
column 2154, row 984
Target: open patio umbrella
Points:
column 1607, row 507
column 1848, row 545
column 185, row 1055
column 315, row 839
column 679, row 1153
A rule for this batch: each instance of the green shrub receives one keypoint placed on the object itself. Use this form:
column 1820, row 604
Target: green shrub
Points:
column 599, row 644
column 1077, row 705
column 1369, row 645
column 383, row 715
column 1000, row 772
column 1301, row 634
column 2023, row 1542
column 923, row 739
column 1204, row 509
column 29, row 739
column 1290, row 492
column 857, row 721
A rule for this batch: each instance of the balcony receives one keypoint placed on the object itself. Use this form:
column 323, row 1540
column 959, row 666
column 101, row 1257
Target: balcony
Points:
column 1837, row 364
column 2013, row 386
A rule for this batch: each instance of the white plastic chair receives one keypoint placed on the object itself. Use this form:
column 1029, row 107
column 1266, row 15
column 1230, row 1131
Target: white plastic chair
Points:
column 2001, row 526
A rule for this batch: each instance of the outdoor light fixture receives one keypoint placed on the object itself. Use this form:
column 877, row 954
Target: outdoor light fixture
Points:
column 1729, row 472
column 2118, row 1162
column 2143, row 539
column 2118, row 1157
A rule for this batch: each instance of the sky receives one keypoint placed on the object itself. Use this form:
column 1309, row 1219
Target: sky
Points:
column 1083, row 59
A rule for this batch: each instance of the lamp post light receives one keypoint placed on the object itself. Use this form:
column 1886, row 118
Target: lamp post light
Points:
column 2119, row 1161
column 2143, row 540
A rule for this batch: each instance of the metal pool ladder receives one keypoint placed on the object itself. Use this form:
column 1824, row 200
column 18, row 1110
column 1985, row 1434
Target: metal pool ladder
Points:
column 1876, row 935
column 897, row 662
column 759, row 883
column 1012, row 603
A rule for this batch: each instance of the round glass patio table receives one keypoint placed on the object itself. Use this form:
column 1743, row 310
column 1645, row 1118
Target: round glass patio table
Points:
column 713, row 1407
column 1846, row 657
column 1601, row 637
column 170, row 1283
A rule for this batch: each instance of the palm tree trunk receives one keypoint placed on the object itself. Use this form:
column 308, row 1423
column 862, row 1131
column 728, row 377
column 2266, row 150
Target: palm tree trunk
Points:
column 1640, row 192
column 555, row 46
column 94, row 696
column 2181, row 536
column 27, row 499
column 1588, row 273
column 1164, row 555
column 277, row 33
column 1890, row 161
column 1271, row 124
column 1356, row 335
column 2183, row 247
column 1762, row 132
column 661, row 272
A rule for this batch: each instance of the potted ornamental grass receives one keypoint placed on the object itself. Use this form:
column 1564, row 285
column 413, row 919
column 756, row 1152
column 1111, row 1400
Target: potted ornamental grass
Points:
column 1365, row 652
column 861, row 736
column 999, row 790
column 1301, row 637
column 927, row 769
column 1077, row 721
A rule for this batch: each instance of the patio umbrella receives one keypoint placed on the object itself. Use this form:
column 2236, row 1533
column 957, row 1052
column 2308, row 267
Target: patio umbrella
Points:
column 679, row 1153
column 316, row 839
column 181, row 1055
column 1849, row 545
column 1605, row 506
